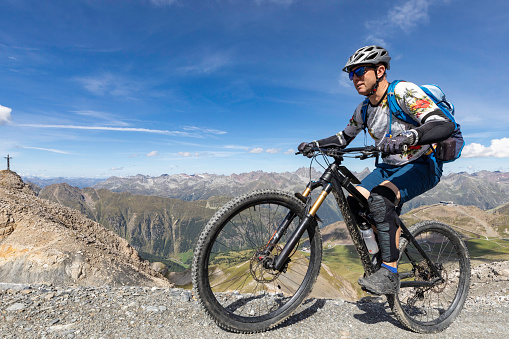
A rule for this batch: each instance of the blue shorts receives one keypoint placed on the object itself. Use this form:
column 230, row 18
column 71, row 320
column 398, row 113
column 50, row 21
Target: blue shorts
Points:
column 411, row 179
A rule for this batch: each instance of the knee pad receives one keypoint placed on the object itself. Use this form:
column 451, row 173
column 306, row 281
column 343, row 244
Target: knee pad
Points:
column 382, row 207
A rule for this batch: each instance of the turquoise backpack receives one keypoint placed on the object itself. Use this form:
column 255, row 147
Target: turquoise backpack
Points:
column 447, row 150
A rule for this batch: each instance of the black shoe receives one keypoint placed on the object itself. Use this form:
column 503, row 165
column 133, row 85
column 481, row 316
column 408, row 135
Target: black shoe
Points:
column 381, row 282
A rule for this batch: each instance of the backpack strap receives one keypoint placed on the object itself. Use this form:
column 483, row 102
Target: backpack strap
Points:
column 364, row 114
column 394, row 106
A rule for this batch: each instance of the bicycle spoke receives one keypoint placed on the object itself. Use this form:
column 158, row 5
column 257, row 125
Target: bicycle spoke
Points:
column 433, row 306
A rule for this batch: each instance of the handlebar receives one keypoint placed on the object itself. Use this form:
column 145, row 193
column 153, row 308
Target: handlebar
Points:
column 366, row 151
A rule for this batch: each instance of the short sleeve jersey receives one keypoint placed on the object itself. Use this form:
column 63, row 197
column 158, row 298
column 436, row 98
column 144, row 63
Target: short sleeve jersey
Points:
column 413, row 101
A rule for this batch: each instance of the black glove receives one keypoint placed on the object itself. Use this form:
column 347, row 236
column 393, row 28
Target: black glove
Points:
column 307, row 148
column 396, row 144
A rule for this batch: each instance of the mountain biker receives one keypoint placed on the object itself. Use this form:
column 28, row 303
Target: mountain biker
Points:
column 402, row 175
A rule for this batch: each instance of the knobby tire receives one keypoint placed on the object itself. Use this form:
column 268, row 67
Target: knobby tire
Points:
column 234, row 288
column 432, row 309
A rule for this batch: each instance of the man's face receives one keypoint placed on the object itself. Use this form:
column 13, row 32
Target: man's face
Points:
column 364, row 83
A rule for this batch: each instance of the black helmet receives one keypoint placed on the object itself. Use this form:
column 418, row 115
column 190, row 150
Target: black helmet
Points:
column 368, row 55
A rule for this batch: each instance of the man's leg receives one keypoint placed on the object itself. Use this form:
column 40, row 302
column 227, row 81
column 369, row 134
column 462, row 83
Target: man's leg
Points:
column 382, row 201
column 395, row 190
column 405, row 182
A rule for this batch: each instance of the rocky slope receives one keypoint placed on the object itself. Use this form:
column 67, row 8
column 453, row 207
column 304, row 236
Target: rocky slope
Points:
column 156, row 226
column 41, row 311
column 44, row 242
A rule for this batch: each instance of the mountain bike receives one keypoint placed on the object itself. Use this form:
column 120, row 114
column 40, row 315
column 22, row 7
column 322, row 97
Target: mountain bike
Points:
column 258, row 257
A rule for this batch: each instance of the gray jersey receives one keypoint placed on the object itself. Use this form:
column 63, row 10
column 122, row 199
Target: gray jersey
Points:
column 414, row 102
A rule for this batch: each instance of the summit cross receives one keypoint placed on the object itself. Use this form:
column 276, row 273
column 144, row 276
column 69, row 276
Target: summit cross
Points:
column 8, row 162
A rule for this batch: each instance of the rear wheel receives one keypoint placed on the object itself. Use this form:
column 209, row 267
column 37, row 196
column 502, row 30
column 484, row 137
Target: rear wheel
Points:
column 229, row 278
column 431, row 308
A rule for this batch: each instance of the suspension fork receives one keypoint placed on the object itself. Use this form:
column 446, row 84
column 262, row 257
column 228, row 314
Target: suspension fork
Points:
column 278, row 234
column 325, row 181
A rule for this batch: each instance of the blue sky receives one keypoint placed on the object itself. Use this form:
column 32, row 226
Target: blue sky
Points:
column 104, row 88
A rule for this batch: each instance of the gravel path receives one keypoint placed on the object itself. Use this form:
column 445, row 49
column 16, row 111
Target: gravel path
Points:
column 41, row 311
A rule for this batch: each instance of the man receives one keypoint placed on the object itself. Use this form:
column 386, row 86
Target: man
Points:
column 402, row 175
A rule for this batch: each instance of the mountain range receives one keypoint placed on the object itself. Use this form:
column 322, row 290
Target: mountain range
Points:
column 43, row 242
column 483, row 189
column 161, row 217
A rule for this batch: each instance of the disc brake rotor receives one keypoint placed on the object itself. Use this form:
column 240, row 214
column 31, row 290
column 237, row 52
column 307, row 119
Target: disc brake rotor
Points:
column 258, row 269
column 424, row 273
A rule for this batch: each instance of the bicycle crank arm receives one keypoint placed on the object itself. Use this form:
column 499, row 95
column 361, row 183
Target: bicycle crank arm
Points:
column 420, row 283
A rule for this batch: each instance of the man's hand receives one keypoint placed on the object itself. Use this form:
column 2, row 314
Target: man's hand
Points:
column 396, row 144
column 306, row 148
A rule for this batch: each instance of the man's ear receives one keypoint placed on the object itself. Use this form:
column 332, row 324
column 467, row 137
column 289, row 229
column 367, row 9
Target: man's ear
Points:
column 380, row 70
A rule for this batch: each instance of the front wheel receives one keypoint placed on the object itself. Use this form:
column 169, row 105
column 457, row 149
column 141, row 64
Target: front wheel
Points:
column 230, row 280
column 433, row 307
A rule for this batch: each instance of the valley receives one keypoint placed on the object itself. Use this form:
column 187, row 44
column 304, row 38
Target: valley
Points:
column 165, row 229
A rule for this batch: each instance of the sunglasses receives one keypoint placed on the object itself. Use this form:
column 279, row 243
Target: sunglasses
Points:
column 360, row 71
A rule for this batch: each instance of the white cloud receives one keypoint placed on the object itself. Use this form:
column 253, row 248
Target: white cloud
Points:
column 188, row 154
column 273, row 150
column 404, row 16
column 256, row 150
column 344, row 81
column 409, row 15
column 373, row 39
column 116, row 168
column 47, row 150
column 153, row 154
column 110, row 118
column 5, row 115
column 236, row 147
column 499, row 148
column 208, row 63
column 124, row 129
column 110, row 84
column 277, row 2
column 164, row 2
column 290, row 151
column 204, row 130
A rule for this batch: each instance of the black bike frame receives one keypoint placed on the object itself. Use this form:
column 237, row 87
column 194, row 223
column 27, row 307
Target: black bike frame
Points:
column 335, row 179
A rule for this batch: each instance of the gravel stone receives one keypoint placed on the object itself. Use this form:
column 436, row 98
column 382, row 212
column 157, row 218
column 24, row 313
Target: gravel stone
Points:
column 144, row 312
column 16, row 307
